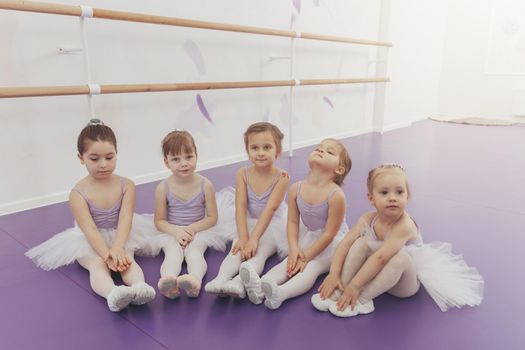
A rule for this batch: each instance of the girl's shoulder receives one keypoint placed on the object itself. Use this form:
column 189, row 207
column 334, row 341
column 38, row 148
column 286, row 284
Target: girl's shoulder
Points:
column 125, row 181
column 335, row 192
column 406, row 226
column 208, row 185
column 241, row 172
column 367, row 218
column 282, row 176
column 162, row 185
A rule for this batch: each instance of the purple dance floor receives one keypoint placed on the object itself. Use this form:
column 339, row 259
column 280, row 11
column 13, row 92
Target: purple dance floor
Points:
column 467, row 189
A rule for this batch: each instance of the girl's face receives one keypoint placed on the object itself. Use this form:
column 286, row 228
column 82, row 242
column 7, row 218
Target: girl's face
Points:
column 182, row 165
column 326, row 155
column 100, row 159
column 389, row 193
column 262, row 150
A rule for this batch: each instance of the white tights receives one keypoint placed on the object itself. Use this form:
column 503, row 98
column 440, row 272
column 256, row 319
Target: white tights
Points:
column 100, row 275
column 174, row 255
column 230, row 265
column 398, row 277
column 298, row 284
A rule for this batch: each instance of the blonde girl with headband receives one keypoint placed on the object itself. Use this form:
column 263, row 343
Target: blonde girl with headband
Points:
column 106, row 232
column 384, row 252
column 316, row 223
column 187, row 211
column 259, row 211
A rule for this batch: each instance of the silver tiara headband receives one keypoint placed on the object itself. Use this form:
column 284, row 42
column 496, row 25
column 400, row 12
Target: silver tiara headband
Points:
column 391, row 165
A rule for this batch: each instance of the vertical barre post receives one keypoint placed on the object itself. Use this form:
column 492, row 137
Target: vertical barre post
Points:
column 290, row 116
column 86, row 12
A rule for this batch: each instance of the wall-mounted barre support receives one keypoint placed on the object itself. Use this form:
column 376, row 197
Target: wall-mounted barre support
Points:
column 39, row 91
column 69, row 10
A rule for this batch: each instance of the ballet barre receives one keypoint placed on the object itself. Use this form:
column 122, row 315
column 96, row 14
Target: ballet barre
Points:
column 85, row 11
column 92, row 89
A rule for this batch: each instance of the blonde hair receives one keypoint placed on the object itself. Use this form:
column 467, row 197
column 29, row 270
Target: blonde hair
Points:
column 344, row 161
column 381, row 169
column 263, row 127
column 177, row 142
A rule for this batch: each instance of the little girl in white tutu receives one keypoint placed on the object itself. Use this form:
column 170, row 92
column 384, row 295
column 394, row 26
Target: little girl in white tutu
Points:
column 384, row 252
column 106, row 232
column 259, row 211
column 190, row 215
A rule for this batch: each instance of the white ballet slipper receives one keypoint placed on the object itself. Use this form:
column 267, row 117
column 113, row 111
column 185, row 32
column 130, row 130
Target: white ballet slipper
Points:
column 359, row 309
column 215, row 286
column 144, row 293
column 190, row 285
column 235, row 289
column 120, row 297
column 169, row 287
column 252, row 282
column 321, row 304
column 272, row 294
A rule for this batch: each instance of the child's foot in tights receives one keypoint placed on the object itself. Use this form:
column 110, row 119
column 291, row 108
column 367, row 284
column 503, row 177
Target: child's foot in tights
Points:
column 169, row 287
column 359, row 309
column 324, row 304
column 190, row 285
column 120, row 297
column 144, row 293
column 272, row 294
column 252, row 283
column 235, row 289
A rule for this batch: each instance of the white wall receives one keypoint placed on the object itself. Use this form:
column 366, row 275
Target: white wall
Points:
column 471, row 84
column 417, row 30
column 38, row 135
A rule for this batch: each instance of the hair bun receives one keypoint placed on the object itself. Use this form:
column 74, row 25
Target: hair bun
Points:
column 95, row 121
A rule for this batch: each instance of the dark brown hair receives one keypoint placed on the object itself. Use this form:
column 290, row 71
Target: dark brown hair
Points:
column 93, row 132
column 263, row 127
column 177, row 142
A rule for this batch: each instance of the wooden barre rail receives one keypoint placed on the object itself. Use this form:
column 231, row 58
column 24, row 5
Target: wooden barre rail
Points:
column 36, row 91
column 69, row 10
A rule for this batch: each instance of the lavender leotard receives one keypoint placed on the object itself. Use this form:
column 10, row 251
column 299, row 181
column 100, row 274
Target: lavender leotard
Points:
column 104, row 218
column 314, row 216
column 257, row 203
column 184, row 213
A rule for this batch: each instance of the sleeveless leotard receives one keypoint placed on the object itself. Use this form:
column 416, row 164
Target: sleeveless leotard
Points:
column 257, row 203
column 104, row 218
column 184, row 213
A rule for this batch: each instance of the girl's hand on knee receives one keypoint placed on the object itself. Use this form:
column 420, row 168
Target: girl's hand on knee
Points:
column 250, row 248
column 238, row 246
column 189, row 231
column 111, row 265
column 328, row 286
column 296, row 262
column 183, row 237
column 119, row 257
column 299, row 267
column 349, row 297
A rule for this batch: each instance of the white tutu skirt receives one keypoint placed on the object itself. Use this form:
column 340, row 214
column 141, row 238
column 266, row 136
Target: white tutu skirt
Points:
column 307, row 237
column 446, row 277
column 215, row 237
column 67, row 246
column 275, row 233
